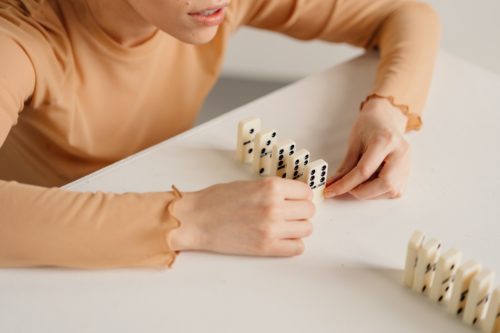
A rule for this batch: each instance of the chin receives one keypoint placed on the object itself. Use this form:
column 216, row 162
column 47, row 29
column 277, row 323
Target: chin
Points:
column 199, row 37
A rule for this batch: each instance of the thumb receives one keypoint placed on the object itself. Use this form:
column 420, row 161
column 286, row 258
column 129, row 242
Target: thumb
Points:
column 350, row 161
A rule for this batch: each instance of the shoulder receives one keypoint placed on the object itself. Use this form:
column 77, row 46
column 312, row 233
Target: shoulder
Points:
column 32, row 20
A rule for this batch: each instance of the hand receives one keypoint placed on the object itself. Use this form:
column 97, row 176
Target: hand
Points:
column 267, row 217
column 377, row 164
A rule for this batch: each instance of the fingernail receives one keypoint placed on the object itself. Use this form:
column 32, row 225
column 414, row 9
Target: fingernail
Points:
column 329, row 194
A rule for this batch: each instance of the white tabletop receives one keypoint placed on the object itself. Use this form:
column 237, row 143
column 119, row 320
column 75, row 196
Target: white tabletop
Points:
column 349, row 278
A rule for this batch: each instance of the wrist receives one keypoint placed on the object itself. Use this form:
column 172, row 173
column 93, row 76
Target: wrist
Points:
column 187, row 236
column 385, row 113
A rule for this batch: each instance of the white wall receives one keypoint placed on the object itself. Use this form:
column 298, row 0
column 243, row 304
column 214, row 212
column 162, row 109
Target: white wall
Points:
column 471, row 30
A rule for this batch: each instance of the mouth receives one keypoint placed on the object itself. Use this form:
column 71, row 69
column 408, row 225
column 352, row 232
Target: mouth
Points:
column 210, row 16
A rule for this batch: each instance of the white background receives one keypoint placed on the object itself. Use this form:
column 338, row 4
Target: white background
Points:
column 471, row 30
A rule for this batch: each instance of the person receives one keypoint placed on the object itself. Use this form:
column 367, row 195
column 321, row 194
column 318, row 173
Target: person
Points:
column 85, row 83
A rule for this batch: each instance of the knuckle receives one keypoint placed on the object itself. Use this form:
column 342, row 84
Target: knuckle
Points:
column 395, row 194
column 265, row 233
column 263, row 248
column 405, row 147
column 356, row 195
column 364, row 171
column 271, row 186
column 309, row 229
column 299, row 248
column 311, row 209
column 387, row 185
column 384, row 136
column 270, row 210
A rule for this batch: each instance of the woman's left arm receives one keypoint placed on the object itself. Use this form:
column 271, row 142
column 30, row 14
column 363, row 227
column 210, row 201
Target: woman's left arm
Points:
column 406, row 33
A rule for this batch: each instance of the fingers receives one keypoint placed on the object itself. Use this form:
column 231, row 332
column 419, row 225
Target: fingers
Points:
column 287, row 189
column 391, row 181
column 296, row 190
column 347, row 165
column 370, row 190
column 366, row 167
column 297, row 210
column 286, row 248
column 294, row 229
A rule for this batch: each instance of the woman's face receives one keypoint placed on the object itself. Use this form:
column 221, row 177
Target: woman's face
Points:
column 191, row 21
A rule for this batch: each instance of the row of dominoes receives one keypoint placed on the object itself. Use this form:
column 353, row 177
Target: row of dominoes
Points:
column 270, row 157
column 466, row 288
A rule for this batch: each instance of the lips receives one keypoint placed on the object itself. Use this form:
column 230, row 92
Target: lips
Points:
column 209, row 16
column 208, row 11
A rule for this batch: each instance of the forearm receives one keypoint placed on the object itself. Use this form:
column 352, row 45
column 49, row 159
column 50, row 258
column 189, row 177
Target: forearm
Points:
column 53, row 227
column 408, row 42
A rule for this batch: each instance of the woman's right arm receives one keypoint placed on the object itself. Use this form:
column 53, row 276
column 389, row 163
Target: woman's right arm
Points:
column 54, row 227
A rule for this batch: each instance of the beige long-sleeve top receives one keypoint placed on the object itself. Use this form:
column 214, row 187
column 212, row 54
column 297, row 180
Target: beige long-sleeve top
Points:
column 72, row 100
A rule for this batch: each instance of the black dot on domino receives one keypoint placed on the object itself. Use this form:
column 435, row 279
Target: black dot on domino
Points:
column 446, row 289
column 313, row 177
column 268, row 142
column 311, row 184
column 280, row 157
column 452, row 267
column 296, row 168
column 252, row 131
column 306, row 157
column 313, row 172
column 322, row 179
column 440, row 298
column 323, row 167
column 263, row 151
column 474, row 321
column 291, row 152
column 296, row 173
column 292, row 147
column 274, row 134
column 250, row 150
column 261, row 171
column 306, row 162
column 459, row 311
column 284, row 175
column 282, row 151
column 280, row 163
column 296, row 162
column 323, row 174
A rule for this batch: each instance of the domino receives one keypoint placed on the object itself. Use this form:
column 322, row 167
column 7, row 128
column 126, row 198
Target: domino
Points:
column 444, row 277
column 460, row 290
column 478, row 297
column 263, row 143
column 315, row 175
column 414, row 244
column 426, row 264
column 247, row 130
column 491, row 322
column 296, row 164
column 279, row 157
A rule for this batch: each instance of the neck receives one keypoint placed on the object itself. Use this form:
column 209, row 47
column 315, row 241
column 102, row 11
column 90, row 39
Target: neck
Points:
column 121, row 22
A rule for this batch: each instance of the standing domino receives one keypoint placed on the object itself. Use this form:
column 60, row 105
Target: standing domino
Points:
column 414, row 244
column 264, row 142
column 295, row 164
column 444, row 277
column 477, row 300
column 426, row 265
column 491, row 322
column 279, row 158
column 315, row 174
column 463, row 279
column 247, row 130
